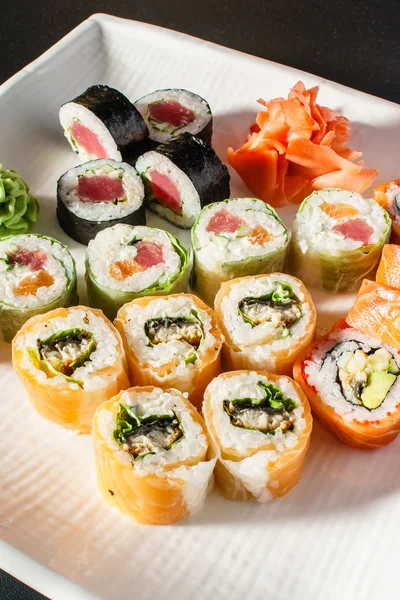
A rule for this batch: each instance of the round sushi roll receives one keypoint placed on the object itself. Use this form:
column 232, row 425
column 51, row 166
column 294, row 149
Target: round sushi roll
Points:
column 353, row 385
column 125, row 262
column 267, row 321
column 153, row 458
column 388, row 196
column 172, row 111
column 102, row 123
column 337, row 239
column 171, row 341
column 260, row 425
column 70, row 360
column 235, row 238
column 97, row 195
column 37, row 274
column 180, row 177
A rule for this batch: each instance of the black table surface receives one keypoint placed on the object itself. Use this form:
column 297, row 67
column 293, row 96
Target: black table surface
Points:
column 348, row 41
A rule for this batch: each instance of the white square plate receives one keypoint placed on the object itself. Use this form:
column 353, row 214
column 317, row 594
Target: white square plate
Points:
column 335, row 535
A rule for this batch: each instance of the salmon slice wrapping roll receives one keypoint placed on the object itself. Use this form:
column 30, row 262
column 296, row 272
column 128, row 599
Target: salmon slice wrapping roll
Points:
column 267, row 321
column 337, row 239
column 353, row 385
column 388, row 196
column 171, row 341
column 154, row 461
column 235, row 238
column 70, row 360
column 260, row 425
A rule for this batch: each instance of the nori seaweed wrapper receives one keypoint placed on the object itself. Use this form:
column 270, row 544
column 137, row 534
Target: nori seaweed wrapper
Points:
column 122, row 119
column 201, row 164
column 83, row 230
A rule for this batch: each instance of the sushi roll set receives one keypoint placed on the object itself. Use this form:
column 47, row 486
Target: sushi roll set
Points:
column 171, row 341
column 97, row 195
column 337, row 239
column 70, row 360
column 267, row 321
column 241, row 236
column 37, row 274
column 260, row 425
column 154, row 460
column 124, row 262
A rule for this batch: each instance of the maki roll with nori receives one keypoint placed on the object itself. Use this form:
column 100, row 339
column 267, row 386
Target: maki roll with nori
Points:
column 124, row 262
column 180, row 177
column 172, row 111
column 352, row 381
column 337, row 239
column 102, row 123
column 267, row 321
column 70, row 360
column 154, row 460
column 235, row 238
column 97, row 195
column 37, row 274
column 171, row 341
column 260, row 426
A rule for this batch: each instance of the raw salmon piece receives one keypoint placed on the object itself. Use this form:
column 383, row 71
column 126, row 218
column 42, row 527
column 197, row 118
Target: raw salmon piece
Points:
column 338, row 211
column 122, row 269
column 224, row 222
column 166, row 191
column 388, row 273
column 88, row 140
column 100, row 188
column 29, row 285
column 259, row 235
column 376, row 312
column 172, row 112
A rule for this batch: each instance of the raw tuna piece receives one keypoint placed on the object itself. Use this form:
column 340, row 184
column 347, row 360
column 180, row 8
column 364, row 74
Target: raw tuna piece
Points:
column 34, row 259
column 172, row 112
column 88, row 140
column 149, row 254
column 165, row 191
column 100, row 188
column 224, row 222
column 355, row 229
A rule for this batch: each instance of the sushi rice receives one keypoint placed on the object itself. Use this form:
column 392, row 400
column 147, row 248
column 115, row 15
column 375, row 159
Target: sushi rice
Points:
column 234, row 238
column 152, row 453
column 257, row 439
column 37, row 274
column 325, row 252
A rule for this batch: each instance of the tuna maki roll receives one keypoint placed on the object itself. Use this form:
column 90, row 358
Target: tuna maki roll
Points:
column 124, row 262
column 337, row 239
column 180, row 177
column 234, row 238
column 37, row 274
column 352, row 381
column 169, row 112
column 96, row 195
column 102, row 123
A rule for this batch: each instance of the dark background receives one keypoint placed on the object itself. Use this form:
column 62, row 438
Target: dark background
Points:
column 353, row 42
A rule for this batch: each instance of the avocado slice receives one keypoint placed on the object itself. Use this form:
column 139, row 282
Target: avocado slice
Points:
column 393, row 368
column 379, row 384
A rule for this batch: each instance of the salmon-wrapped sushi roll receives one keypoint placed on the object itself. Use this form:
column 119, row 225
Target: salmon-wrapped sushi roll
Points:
column 260, row 425
column 70, row 360
column 352, row 382
column 153, row 458
column 171, row 341
column 388, row 273
column 388, row 196
column 267, row 321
